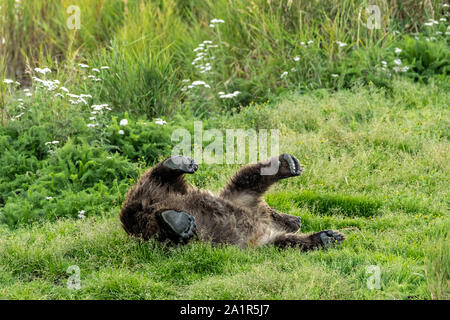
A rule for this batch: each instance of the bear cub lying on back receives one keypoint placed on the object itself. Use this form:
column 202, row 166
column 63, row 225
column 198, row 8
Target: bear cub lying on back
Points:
column 163, row 206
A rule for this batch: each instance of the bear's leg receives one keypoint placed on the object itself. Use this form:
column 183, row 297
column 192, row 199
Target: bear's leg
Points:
column 248, row 185
column 255, row 179
column 322, row 239
column 283, row 221
column 169, row 173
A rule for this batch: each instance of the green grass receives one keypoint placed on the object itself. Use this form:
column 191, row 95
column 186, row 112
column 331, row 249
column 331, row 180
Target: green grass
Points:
column 149, row 46
column 374, row 143
column 376, row 167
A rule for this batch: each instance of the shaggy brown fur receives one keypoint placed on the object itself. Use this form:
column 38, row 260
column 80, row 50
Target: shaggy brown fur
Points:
column 161, row 205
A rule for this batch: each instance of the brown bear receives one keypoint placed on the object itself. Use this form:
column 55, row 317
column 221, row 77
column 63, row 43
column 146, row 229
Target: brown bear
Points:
column 163, row 206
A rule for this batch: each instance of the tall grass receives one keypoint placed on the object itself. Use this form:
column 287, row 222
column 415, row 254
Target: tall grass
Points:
column 149, row 44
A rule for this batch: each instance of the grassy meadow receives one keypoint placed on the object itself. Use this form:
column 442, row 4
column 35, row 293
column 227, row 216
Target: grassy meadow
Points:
column 84, row 112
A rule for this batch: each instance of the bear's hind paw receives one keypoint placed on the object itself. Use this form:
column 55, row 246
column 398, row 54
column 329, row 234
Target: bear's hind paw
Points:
column 182, row 224
column 331, row 237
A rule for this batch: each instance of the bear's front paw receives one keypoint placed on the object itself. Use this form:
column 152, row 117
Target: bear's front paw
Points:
column 181, row 224
column 181, row 163
column 289, row 166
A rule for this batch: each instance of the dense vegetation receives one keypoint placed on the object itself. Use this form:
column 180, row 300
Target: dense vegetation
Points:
column 84, row 112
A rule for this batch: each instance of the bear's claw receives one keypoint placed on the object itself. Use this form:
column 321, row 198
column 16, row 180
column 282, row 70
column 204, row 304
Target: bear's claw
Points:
column 330, row 237
column 181, row 223
column 290, row 166
column 294, row 165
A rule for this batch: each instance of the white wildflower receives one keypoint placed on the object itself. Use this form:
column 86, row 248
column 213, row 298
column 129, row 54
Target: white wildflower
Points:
column 284, row 74
column 223, row 95
column 43, row 71
column 200, row 83
column 398, row 62
column 433, row 21
column 217, row 21
column 341, row 44
column 123, row 122
column 400, row 69
column 160, row 121
column 296, row 58
column 398, row 50
column 121, row 132
column 100, row 107
column 8, row 81
column 82, row 65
